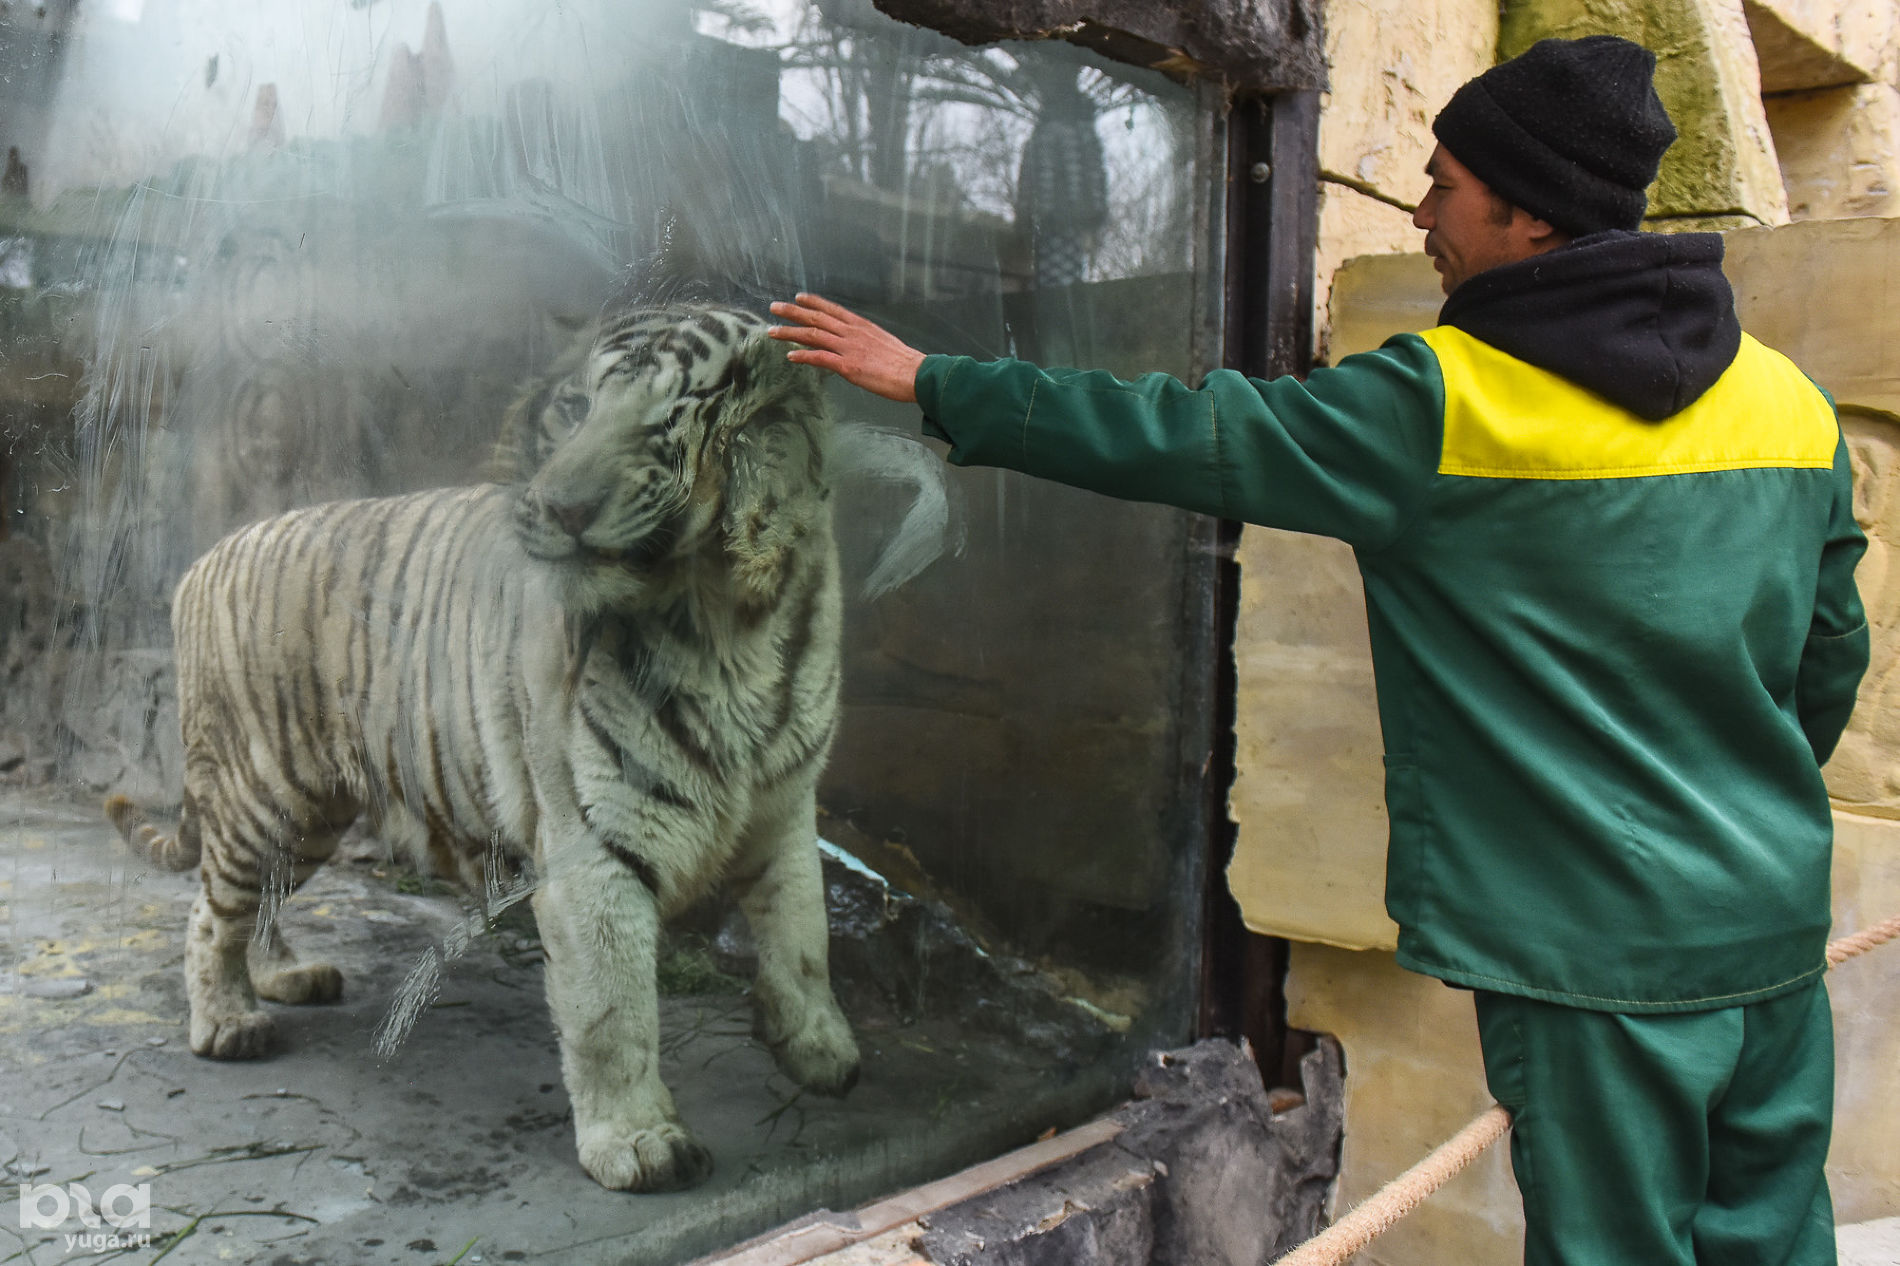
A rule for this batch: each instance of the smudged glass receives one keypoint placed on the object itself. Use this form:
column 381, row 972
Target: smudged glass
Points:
column 255, row 258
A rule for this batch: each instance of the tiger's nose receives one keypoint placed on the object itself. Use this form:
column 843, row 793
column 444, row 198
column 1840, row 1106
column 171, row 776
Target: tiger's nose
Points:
column 574, row 517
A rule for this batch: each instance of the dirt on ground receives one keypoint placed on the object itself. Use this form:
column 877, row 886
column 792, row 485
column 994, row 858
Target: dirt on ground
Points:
column 457, row 1149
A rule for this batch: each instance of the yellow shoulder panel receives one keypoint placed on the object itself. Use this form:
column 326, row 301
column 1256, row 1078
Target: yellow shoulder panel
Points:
column 1505, row 419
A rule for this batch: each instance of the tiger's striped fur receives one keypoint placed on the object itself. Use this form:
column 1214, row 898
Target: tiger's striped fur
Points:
column 622, row 673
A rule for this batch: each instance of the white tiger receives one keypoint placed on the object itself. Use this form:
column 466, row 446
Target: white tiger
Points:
column 623, row 673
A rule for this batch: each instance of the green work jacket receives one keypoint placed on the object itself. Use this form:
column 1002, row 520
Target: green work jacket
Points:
column 1611, row 652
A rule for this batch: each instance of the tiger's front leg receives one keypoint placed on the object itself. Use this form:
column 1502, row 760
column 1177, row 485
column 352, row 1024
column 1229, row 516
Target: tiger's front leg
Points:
column 780, row 886
column 600, row 928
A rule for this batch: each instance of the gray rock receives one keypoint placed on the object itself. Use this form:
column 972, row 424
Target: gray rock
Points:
column 1203, row 1174
column 56, row 987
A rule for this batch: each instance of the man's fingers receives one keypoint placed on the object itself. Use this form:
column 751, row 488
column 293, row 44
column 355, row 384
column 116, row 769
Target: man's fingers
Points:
column 808, row 334
column 826, row 306
column 808, row 317
column 818, row 359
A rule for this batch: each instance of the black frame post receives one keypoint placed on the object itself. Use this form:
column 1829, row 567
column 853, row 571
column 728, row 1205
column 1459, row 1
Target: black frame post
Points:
column 1272, row 231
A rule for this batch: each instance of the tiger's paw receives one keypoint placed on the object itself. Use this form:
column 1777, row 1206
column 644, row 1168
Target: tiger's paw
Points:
column 236, row 1035
column 665, row 1158
column 308, row 983
column 823, row 1057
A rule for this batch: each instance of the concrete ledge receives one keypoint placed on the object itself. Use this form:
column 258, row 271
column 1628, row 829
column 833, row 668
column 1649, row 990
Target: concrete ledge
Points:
column 1198, row 1170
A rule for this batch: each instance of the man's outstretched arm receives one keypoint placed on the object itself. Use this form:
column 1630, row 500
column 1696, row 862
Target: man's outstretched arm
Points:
column 858, row 350
column 1349, row 453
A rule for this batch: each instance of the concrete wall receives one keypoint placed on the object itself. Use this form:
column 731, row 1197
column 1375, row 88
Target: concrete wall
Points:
column 1308, row 799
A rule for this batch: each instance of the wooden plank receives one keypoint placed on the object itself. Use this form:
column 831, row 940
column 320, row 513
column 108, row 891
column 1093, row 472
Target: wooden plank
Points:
column 827, row 1232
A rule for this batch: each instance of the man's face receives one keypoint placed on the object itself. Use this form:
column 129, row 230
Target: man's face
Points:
column 1469, row 229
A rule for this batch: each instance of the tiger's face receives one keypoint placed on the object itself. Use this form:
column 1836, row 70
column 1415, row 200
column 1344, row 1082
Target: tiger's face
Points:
column 685, row 435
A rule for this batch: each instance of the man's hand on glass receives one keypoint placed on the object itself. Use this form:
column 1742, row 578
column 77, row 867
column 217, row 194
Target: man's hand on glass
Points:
column 858, row 350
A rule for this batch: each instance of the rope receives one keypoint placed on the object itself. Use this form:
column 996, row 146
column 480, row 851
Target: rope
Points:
column 1860, row 942
column 1376, row 1214
column 1403, row 1194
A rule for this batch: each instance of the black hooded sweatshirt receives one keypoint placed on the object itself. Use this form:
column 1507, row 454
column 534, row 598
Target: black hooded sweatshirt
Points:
column 1646, row 320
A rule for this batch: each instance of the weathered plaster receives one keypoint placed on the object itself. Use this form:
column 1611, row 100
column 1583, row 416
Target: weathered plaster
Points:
column 1839, row 150
column 1394, row 64
column 1723, row 161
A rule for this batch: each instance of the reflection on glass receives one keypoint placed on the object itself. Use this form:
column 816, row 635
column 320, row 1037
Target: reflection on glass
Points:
column 255, row 261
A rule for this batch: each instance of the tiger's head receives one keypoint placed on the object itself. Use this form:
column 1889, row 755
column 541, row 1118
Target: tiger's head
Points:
column 682, row 439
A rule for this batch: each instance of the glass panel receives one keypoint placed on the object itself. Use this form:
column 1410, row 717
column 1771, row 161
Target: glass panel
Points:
column 315, row 259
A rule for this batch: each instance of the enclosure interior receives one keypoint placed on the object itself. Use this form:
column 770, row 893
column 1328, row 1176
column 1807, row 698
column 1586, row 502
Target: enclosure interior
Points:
column 255, row 258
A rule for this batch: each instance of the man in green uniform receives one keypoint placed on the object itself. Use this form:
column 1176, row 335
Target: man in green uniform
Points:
column 1608, row 546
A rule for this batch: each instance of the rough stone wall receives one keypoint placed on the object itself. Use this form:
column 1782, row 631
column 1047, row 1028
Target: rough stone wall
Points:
column 1394, row 64
column 1721, row 172
column 1840, row 150
column 1806, row 44
column 1830, row 70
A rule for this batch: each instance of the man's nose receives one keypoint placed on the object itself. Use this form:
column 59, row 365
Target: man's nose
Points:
column 1422, row 217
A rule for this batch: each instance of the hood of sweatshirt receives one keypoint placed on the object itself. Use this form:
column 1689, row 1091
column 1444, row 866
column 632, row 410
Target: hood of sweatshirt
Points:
column 1645, row 320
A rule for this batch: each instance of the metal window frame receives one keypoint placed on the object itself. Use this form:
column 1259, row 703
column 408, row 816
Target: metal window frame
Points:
column 1271, row 241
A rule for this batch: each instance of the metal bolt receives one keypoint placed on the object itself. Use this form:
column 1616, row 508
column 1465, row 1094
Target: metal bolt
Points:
column 1260, row 172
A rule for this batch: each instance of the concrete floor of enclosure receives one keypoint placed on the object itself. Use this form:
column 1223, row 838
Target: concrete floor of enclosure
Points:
column 321, row 1155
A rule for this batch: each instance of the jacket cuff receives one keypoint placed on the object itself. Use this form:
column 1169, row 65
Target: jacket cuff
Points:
column 933, row 376
column 1831, row 669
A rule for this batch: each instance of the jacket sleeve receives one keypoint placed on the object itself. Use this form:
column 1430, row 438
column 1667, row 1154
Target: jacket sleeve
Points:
column 1836, row 651
column 1350, row 452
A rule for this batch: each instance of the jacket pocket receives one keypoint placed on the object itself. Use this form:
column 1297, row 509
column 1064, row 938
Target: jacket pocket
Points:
column 1407, row 864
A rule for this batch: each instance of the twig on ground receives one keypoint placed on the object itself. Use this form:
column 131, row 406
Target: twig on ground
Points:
column 229, row 1155
column 185, row 1232
column 81, row 1094
column 464, row 1253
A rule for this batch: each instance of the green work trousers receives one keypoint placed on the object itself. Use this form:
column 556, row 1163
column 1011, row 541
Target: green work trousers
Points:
column 1690, row 1139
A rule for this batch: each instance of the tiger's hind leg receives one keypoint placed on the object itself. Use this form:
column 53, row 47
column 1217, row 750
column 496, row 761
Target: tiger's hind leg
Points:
column 234, row 951
column 275, row 971
column 226, row 1022
column 279, row 977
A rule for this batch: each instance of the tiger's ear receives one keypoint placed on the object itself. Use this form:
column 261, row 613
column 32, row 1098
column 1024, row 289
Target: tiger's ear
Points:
column 777, row 492
column 538, row 418
column 510, row 459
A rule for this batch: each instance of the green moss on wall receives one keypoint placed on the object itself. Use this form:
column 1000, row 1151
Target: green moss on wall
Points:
column 1722, row 164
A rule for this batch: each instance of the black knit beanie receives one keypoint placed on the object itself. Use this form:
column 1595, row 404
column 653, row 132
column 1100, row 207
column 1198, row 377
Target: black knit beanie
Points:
column 1570, row 130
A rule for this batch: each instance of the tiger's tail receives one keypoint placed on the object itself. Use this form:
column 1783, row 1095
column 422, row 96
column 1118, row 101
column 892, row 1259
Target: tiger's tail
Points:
column 170, row 852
